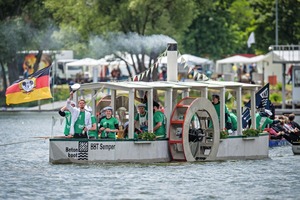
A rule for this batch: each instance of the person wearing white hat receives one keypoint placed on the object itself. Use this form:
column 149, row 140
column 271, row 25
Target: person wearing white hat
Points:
column 109, row 126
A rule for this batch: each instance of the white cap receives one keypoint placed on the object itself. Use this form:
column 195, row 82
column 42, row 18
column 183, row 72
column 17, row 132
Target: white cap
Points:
column 269, row 112
column 122, row 108
column 107, row 108
column 72, row 102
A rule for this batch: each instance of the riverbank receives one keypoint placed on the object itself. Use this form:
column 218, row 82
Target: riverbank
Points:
column 41, row 108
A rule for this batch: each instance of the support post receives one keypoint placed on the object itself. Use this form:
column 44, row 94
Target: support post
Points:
column 239, row 110
column 172, row 69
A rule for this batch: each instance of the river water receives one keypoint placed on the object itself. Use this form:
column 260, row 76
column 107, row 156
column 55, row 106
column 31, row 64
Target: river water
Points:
column 27, row 174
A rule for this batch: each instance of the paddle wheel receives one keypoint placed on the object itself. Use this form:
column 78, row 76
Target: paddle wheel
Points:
column 191, row 136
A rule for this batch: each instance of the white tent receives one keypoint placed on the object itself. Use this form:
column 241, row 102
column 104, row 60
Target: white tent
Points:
column 190, row 61
column 193, row 60
column 187, row 58
column 224, row 66
column 85, row 62
column 234, row 60
column 90, row 67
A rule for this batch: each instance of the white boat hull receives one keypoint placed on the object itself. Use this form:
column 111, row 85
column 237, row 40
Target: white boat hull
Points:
column 84, row 151
column 104, row 151
column 238, row 148
column 296, row 149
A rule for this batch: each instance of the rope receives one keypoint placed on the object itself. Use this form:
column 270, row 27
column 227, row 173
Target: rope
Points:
column 2, row 145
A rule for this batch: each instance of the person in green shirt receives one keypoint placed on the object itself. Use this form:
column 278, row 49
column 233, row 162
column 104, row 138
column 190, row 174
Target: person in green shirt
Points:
column 262, row 119
column 233, row 121
column 93, row 131
column 109, row 126
column 64, row 112
column 159, row 121
column 216, row 104
column 80, row 119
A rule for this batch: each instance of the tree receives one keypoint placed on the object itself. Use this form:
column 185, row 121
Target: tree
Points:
column 24, row 25
column 220, row 29
column 265, row 22
column 131, row 17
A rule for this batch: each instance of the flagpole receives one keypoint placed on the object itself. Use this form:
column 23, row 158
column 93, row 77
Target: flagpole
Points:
column 39, row 104
column 276, row 32
column 52, row 126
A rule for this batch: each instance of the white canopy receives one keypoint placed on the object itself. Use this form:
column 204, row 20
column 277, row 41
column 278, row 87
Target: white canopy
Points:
column 102, row 61
column 85, row 62
column 193, row 60
column 256, row 59
column 187, row 58
column 234, row 59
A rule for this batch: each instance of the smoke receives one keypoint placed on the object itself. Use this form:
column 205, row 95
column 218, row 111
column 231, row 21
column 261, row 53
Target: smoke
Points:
column 17, row 35
column 132, row 43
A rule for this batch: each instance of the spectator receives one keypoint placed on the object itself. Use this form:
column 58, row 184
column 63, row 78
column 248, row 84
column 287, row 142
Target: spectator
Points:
column 164, row 72
column 290, row 73
column 252, row 69
column 292, row 122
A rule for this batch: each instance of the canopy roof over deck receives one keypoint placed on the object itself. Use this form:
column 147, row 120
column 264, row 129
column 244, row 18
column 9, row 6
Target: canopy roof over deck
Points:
column 170, row 89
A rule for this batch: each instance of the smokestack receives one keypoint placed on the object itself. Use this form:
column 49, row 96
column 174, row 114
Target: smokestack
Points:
column 172, row 69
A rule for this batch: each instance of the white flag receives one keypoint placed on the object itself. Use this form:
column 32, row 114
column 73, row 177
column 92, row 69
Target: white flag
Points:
column 251, row 39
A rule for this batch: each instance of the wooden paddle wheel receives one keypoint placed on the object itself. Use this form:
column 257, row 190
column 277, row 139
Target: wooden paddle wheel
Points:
column 194, row 132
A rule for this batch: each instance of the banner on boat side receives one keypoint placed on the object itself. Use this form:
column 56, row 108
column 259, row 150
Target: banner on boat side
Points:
column 34, row 87
column 85, row 150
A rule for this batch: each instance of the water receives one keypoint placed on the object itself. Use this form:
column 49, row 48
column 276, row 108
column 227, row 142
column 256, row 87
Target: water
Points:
column 27, row 174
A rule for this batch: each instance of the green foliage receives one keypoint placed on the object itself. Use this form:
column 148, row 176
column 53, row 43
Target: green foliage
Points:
column 211, row 29
column 147, row 136
column 251, row 132
column 223, row 135
column 279, row 86
column 276, row 97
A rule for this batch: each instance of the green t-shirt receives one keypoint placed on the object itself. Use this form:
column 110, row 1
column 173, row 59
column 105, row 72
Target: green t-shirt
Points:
column 79, row 124
column 233, row 121
column 262, row 122
column 160, row 117
column 93, row 133
column 68, row 123
column 217, row 107
column 111, row 124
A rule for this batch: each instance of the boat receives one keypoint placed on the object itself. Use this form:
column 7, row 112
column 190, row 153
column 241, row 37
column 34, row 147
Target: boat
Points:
column 278, row 142
column 296, row 148
column 182, row 143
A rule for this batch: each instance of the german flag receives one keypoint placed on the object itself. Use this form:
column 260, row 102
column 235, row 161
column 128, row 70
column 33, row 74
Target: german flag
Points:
column 35, row 87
